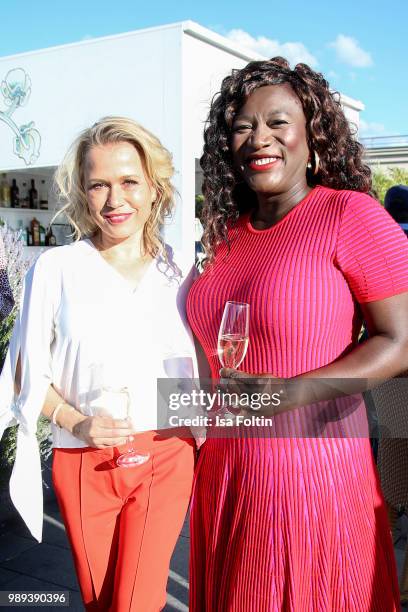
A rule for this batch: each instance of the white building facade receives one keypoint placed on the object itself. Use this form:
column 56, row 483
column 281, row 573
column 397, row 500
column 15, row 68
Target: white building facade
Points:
column 163, row 77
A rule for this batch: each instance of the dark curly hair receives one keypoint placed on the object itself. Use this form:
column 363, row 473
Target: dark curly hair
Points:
column 328, row 134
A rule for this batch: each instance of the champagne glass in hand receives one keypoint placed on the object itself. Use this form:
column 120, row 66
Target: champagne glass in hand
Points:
column 233, row 335
column 115, row 403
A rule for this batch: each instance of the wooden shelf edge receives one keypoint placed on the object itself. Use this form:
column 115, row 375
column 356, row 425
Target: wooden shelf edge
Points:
column 28, row 210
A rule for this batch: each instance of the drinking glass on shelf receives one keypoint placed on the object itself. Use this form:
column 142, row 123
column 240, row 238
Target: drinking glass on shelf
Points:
column 115, row 403
column 233, row 336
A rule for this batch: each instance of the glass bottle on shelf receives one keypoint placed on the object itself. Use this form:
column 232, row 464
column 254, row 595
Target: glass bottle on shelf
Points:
column 25, row 198
column 35, row 230
column 42, row 235
column 23, row 233
column 33, row 195
column 5, row 192
column 43, row 196
column 50, row 239
column 14, row 195
column 29, row 237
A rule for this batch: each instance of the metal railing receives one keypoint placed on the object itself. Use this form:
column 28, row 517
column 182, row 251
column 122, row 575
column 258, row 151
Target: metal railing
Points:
column 379, row 142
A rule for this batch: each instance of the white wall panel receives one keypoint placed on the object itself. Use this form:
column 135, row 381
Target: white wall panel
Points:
column 163, row 77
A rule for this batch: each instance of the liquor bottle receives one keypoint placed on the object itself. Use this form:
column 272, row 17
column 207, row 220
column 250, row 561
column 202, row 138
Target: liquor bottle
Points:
column 14, row 195
column 42, row 235
column 33, row 195
column 29, row 237
column 35, row 230
column 43, row 196
column 5, row 196
column 23, row 233
column 25, row 197
column 50, row 239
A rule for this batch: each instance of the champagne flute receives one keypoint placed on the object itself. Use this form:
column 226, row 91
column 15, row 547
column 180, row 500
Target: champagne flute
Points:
column 233, row 336
column 116, row 403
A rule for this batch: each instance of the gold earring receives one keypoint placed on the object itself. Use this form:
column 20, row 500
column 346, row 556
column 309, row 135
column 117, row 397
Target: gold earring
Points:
column 316, row 163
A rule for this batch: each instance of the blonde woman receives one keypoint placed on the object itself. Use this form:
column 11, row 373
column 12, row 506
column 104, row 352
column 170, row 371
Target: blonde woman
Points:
column 99, row 324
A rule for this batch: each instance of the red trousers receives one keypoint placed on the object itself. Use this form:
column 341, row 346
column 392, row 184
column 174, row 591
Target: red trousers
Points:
column 123, row 523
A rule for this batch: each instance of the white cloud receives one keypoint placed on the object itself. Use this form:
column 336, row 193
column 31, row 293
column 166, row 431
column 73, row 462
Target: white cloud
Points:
column 371, row 128
column 333, row 75
column 349, row 51
column 294, row 52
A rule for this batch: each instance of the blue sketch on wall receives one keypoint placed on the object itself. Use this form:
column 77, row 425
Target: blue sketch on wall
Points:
column 16, row 89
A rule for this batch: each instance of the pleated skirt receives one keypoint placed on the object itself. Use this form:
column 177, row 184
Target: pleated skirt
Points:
column 290, row 525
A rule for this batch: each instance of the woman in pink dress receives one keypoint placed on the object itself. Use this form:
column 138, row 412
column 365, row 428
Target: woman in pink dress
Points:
column 291, row 517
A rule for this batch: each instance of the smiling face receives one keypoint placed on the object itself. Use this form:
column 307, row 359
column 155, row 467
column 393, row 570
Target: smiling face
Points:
column 269, row 141
column 118, row 191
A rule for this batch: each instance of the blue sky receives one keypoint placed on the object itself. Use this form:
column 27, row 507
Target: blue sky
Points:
column 361, row 46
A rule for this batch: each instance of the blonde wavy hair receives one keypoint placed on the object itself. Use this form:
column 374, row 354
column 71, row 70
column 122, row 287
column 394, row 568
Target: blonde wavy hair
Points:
column 157, row 163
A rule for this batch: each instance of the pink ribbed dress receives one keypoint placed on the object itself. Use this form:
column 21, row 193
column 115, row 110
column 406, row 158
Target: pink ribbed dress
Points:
column 296, row 523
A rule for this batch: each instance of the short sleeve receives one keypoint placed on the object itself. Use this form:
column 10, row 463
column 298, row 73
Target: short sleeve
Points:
column 372, row 250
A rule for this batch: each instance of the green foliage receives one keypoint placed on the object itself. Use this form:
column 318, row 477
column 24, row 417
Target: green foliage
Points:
column 17, row 266
column 8, row 447
column 199, row 202
column 384, row 179
column 6, row 328
column 9, row 442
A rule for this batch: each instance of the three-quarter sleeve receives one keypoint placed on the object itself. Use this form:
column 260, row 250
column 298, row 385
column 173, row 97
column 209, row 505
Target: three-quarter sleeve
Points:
column 372, row 250
column 32, row 338
column 36, row 329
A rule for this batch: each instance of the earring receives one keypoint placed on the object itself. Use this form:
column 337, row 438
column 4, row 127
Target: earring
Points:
column 316, row 163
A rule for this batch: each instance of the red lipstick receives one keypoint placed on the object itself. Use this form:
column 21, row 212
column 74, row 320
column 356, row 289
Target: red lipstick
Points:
column 115, row 219
column 261, row 164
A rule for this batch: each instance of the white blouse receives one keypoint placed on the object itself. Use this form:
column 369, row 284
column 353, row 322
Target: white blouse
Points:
column 81, row 325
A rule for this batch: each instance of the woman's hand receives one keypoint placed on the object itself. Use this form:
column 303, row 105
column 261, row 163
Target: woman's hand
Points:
column 96, row 431
column 277, row 395
column 262, row 394
column 103, row 431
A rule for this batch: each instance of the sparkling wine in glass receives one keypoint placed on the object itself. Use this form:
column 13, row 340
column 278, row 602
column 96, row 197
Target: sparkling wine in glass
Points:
column 116, row 403
column 233, row 336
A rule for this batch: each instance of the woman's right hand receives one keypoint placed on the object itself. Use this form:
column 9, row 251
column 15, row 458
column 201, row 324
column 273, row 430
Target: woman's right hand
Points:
column 103, row 431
